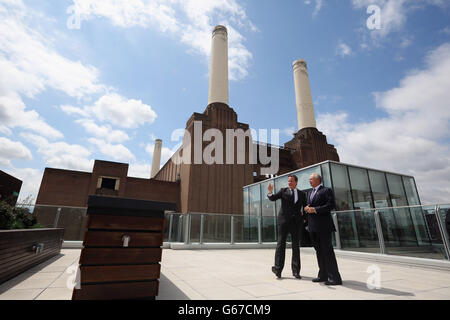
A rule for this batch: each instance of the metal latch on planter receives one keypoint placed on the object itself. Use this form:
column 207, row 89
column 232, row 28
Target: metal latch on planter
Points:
column 38, row 247
column 125, row 240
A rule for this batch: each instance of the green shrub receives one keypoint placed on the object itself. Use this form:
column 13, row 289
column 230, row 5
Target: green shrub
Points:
column 6, row 216
column 16, row 217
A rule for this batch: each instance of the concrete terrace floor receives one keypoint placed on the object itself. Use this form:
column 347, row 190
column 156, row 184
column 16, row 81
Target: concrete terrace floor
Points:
column 241, row 274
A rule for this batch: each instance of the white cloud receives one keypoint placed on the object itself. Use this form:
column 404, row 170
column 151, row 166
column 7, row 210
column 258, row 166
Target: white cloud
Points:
column 189, row 21
column 61, row 155
column 103, row 132
column 343, row 50
column 13, row 114
column 317, row 7
column 413, row 138
column 394, row 14
column 122, row 112
column 117, row 152
column 29, row 65
column 10, row 150
column 139, row 170
column 31, row 181
column 71, row 110
column 115, row 109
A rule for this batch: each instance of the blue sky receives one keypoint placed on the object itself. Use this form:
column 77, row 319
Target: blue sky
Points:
column 83, row 80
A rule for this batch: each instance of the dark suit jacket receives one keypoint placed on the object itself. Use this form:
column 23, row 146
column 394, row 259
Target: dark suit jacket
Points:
column 323, row 202
column 288, row 210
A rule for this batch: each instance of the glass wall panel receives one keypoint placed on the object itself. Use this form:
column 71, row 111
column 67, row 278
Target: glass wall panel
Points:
column 216, row 228
column 420, row 227
column 255, row 211
column 407, row 234
column 398, row 240
column 357, row 230
column 341, row 186
column 238, row 222
column 252, row 233
column 246, row 211
column 411, row 191
column 177, row 228
column 347, row 229
column 359, row 180
column 380, row 190
column 397, row 192
column 399, row 229
column 326, row 176
column 280, row 182
column 268, row 215
column 195, row 227
column 303, row 177
column 444, row 211
column 74, row 222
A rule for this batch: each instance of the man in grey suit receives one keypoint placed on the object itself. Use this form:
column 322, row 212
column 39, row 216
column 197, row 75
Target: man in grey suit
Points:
column 320, row 224
column 289, row 220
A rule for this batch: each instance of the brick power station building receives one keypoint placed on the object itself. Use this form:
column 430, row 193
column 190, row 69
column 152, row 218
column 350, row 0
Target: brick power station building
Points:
column 194, row 186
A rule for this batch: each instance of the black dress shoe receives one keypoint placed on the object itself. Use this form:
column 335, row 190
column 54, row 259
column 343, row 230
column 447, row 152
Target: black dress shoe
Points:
column 319, row 280
column 333, row 283
column 277, row 272
column 297, row 275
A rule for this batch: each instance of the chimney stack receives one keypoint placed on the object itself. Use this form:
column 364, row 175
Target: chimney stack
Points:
column 218, row 77
column 156, row 158
column 303, row 99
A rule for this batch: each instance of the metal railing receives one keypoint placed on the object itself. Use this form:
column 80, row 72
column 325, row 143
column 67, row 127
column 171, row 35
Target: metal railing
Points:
column 419, row 231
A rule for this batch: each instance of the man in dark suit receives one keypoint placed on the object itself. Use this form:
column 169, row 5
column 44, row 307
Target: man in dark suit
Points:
column 289, row 220
column 320, row 224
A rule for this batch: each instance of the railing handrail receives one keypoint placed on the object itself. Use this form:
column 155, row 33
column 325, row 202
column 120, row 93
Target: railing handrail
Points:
column 391, row 208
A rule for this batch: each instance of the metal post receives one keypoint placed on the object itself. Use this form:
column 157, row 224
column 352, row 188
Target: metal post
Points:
column 202, row 223
column 180, row 228
column 187, row 226
column 443, row 231
column 376, row 216
column 232, row 230
column 58, row 214
column 337, row 234
column 259, row 230
column 169, row 238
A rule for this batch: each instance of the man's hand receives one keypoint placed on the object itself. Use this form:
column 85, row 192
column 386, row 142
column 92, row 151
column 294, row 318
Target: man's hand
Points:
column 309, row 209
column 270, row 188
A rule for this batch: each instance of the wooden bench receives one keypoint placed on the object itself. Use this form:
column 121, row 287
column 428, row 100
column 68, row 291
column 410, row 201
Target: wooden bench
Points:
column 23, row 249
column 121, row 252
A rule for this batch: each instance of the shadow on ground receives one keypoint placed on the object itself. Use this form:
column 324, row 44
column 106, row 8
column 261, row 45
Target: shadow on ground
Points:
column 362, row 286
column 27, row 273
column 169, row 291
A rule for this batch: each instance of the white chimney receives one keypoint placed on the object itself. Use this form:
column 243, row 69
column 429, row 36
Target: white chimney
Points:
column 156, row 158
column 303, row 99
column 218, row 77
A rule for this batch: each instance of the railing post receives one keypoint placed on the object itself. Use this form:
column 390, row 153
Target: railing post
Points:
column 232, row 230
column 259, row 230
column 187, row 239
column 169, row 237
column 58, row 214
column 443, row 231
column 180, row 228
column 337, row 234
column 202, row 223
column 376, row 216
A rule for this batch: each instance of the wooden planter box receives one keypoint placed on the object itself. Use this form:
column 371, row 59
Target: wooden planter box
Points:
column 25, row 248
column 121, row 251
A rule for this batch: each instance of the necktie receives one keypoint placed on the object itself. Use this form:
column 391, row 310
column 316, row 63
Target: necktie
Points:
column 293, row 196
column 312, row 195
